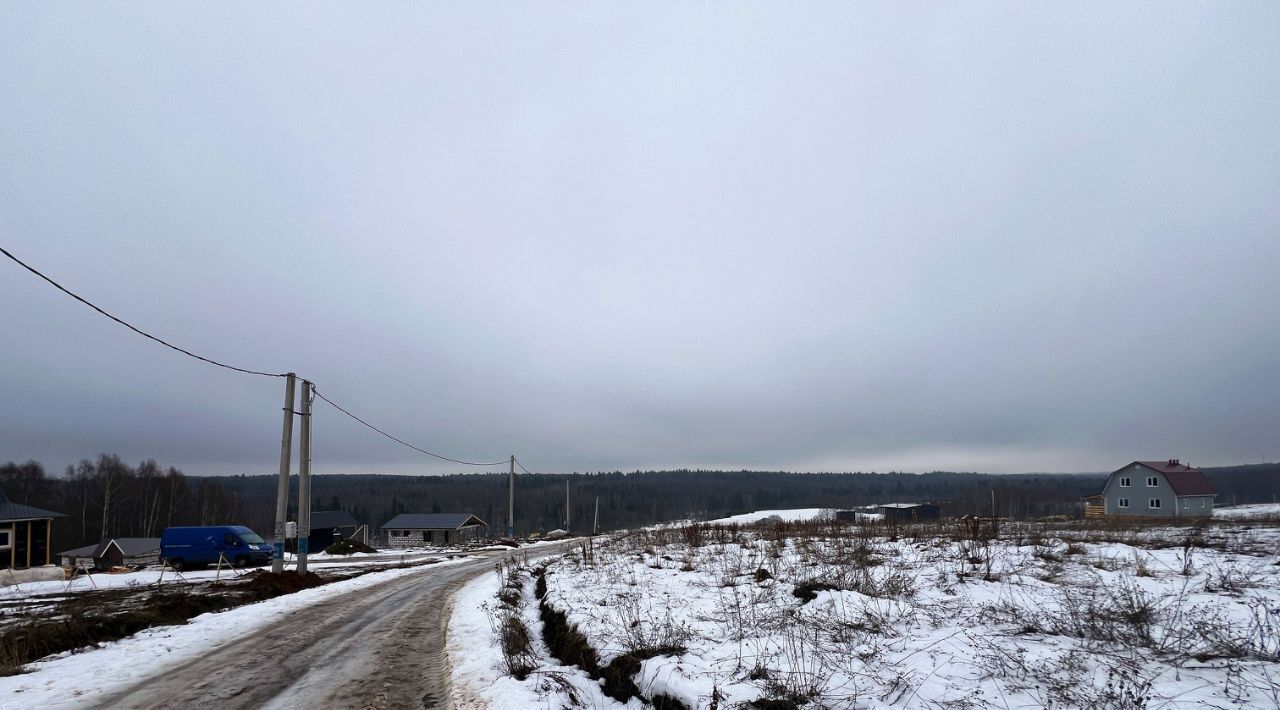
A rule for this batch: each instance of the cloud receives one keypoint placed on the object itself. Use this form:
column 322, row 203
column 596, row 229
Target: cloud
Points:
column 845, row 237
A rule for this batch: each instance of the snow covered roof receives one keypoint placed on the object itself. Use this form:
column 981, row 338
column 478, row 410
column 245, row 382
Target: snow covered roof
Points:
column 432, row 521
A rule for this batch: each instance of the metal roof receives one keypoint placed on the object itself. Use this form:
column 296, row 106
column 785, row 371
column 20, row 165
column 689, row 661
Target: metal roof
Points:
column 86, row 551
column 17, row 511
column 332, row 519
column 432, row 521
column 1184, row 480
column 130, row 546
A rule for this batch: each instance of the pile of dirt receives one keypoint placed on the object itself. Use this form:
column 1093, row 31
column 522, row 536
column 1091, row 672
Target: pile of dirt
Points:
column 347, row 547
column 265, row 585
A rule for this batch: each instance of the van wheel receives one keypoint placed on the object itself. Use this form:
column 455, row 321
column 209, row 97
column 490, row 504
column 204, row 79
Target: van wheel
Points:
column 177, row 565
column 242, row 561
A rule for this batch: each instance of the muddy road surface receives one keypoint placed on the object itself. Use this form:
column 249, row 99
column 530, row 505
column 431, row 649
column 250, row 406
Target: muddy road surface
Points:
column 379, row 647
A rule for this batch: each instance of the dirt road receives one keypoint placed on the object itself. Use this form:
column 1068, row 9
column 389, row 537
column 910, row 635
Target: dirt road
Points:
column 379, row 647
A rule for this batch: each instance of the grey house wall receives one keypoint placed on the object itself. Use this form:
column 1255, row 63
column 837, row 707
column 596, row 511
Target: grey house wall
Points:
column 1194, row 507
column 1139, row 493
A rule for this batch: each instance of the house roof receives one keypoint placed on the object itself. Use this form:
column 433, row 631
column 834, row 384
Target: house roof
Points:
column 86, row 551
column 17, row 511
column 1184, row 480
column 432, row 521
column 332, row 519
column 902, row 505
column 129, row 546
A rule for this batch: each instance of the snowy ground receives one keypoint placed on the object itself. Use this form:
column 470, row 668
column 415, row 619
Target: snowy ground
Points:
column 835, row 616
column 24, row 600
column 1248, row 512
column 789, row 516
column 76, row 680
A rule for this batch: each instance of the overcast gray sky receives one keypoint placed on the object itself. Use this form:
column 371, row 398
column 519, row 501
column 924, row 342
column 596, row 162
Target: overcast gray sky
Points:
column 855, row 236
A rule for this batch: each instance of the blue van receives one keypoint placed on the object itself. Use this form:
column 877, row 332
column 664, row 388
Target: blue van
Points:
column 189, row 547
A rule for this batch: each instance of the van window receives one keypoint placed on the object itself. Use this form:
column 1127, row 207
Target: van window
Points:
column 231, row 540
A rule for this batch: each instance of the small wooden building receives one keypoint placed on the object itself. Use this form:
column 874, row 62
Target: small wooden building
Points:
column 25, row 534
column 417, row 529
column 114, row 552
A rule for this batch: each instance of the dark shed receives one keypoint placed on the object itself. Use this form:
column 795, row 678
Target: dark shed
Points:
column 330, row 526
column 910, row 512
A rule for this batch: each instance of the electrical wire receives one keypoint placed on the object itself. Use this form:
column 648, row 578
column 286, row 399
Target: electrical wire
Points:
column 402, row 442
column 211, row 361
column 135, row 329
column 522, row 468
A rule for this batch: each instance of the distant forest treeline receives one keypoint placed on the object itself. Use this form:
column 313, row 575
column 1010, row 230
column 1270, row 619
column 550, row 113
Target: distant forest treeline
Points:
column 109, row 497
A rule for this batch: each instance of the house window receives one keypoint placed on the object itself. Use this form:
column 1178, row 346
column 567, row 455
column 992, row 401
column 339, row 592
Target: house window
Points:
column 1153, row 481
column 5, row 537
column 1186, row 503
column 1124, row 482
column 1123, row 503
column 1202, row 502
column 1153, row 502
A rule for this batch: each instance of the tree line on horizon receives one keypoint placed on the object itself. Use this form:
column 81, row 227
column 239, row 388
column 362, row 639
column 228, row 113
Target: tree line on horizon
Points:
column 107, row 497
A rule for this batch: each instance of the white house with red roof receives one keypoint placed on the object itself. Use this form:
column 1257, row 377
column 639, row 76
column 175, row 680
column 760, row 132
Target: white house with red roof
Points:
column 1154, row 489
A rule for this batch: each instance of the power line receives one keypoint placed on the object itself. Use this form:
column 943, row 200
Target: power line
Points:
column 210, row 361
column 135, row 329
column 402, row 442
column 522, row 468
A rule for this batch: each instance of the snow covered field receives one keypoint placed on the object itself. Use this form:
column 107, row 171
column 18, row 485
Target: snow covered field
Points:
column 789, row 516
column 833, row 616
column 1249, row 512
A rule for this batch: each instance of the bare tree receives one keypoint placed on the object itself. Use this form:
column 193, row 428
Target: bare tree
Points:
column 112, row 475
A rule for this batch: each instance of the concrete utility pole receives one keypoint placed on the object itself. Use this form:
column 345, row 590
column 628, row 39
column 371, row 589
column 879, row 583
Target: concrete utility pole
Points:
column 595, row 526
column 282, row 489
column 511, row 500
column 304, row 479
column 566, row 505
